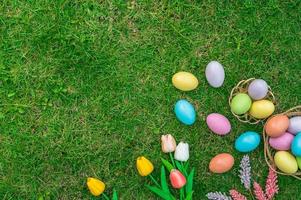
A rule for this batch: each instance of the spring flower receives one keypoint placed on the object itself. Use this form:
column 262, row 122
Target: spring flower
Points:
column 217, row 196
column 245, row 172
column 168, row 143
column 259, row 194
column 236, row 195
column 177, row 179
column 144, row 166
column 95, row 186
column 182, row 152
column 271, row 187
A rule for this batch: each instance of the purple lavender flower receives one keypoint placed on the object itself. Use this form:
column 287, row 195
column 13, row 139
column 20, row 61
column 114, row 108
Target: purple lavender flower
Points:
column 217, row 196
column 245, row 172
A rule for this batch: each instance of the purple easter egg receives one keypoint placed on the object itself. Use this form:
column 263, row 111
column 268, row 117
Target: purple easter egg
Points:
column 218, row 124
column 258, row 89
column 283, row 142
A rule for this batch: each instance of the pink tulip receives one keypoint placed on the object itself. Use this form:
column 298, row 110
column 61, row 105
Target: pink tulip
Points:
column 168, row 143
column 177, row 179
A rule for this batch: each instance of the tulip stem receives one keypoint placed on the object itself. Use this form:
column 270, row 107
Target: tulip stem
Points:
column 181, row 193
column 251, row 194
column 154, row 180
column 172, row 160
column 105, row 196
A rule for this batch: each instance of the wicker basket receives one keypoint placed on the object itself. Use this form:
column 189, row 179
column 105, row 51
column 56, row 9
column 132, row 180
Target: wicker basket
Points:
column 269, row 152
column 242, row 87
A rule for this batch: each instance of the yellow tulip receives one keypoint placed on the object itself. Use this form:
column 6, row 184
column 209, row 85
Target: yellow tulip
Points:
column 144, row 166
column 95, row 186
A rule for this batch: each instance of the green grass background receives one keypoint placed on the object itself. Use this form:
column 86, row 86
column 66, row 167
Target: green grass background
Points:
column 85, row 88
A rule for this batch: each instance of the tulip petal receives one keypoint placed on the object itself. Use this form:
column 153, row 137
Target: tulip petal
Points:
column 177, row 179
column 144, row 166
column 182, row 152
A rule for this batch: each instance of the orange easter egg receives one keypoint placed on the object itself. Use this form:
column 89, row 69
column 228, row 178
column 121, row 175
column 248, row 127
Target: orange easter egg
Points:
column 221, row 163
column 277, row 125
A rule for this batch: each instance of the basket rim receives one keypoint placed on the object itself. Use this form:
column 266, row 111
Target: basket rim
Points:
column 267, row 149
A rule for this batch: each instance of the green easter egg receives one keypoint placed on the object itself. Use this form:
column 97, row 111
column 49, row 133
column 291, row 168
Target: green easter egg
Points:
column 241, row 103
column 299, row 162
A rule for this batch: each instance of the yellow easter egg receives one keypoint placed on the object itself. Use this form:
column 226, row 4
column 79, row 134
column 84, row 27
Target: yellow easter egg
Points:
column 185, row 81
column 262, row 109
column 286, row 162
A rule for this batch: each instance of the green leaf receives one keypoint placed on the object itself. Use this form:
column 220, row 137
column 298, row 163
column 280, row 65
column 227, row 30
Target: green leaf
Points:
column 115, row 196
column 189, row 196
column 159, row 192
column 164, row 184
column 163, row 180
column 179, row 166
column 182, row 194
column 186, row 166
column 167, row 164
column 189, row 184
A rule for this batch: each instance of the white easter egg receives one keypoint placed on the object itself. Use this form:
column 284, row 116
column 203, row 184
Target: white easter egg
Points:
column 215, row 74
column 295, row 125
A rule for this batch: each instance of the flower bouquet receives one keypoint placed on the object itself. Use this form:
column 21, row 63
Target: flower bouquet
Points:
column 180, row 177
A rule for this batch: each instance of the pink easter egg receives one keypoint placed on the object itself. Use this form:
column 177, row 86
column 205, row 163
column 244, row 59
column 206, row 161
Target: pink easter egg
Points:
column 282, row 142
column 218, row 124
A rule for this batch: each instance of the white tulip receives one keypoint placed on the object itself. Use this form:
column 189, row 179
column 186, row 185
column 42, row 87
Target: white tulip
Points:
column 182, row 152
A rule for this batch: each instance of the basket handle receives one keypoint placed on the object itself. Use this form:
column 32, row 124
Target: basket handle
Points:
column 294, row 108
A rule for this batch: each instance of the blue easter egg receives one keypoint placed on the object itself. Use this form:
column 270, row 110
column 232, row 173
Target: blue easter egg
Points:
column 247, row 141
column 185, row 112
column 296, row 145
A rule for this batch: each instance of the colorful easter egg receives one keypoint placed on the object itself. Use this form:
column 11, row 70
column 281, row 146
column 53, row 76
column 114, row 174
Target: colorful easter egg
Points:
column 218, row 124
column 185, row 112
column 185, row 81
column 240, row 104
column 247, row 141
column 262, row 109
column 215, row 74
column 295, row 125
column 283, row 142
column 286, row 162
column 277, row 125
column 258, row 89
column 299, row 162
column 296, row 145
column 221, row 163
